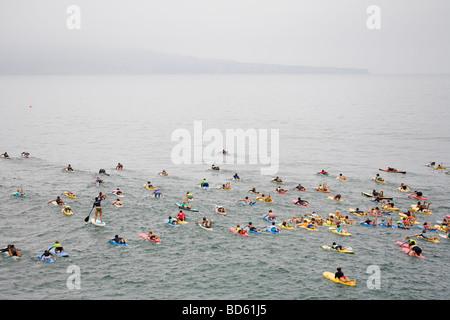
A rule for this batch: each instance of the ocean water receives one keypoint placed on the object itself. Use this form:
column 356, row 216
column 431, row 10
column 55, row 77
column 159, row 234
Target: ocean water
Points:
column 349, row 124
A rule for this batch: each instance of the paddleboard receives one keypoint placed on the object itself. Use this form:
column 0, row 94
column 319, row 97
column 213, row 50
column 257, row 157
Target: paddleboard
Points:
column 324, row 174
column 310, row 229
column 56, row 204
column 251, row 204
column 402, row 244
column 149, row 188
column 264, row 199
column 223, row 188
column 429, row 240
column 359, row 213
column 67, row 213
column 272, row 229
column 416, row 209
column 324, row 191
column 285, row 227
column 203, row 227
column 252, row 231
column 48, row 260
column 406, row 250
column 341, row 251
column 391, row 227
column 421, row 227
column 185, row 208
column 332, row 198
column 17, row 194
column 242, row 234
column 170, row 224
column 331, row 276
column 6, row 253
column 118, row 244
column 416, row 197
column 145, row 236
column 97, row 223
column 393, row 171
column 216, row 209
column 267, row 218
column 70, row 196
column 60, row 254
column 367, row 225
column 300, row 204
column 118, row 195
column 390, row 208
column 334, row 230
column 372, row 196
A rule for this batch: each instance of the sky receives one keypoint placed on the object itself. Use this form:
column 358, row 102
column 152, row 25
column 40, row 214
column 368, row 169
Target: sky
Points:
column 413, row 35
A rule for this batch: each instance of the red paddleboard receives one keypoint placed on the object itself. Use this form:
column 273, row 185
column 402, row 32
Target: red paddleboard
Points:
column 416, row 197
column 299, row 204
column 406, row 250
column 242, row 234
column 394, row 171
column 402, row 244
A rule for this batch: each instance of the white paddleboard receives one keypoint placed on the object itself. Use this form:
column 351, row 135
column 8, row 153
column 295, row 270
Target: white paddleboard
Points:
column 98, row 223
column 204, row 228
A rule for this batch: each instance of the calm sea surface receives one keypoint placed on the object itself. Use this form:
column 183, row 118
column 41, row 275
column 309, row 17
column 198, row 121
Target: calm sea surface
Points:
column 349, row 124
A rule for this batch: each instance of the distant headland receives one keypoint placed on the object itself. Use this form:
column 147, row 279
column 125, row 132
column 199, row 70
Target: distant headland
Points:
column 110, row 61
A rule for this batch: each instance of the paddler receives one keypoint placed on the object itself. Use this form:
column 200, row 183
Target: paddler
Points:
column 204, row 183
column 58, row 247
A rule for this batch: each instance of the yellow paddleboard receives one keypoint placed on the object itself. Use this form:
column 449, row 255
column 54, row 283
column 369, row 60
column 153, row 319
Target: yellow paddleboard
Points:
column 284, row 227
column 70, row 196
column 265, row 200
column 334, row 230
column 415, row 209
column 430, row 240
column 67, row 213
column 310, row 229
column 390, row 208
column 357, row 213
column 151, row 188
column 330, row 275
column 342, row 251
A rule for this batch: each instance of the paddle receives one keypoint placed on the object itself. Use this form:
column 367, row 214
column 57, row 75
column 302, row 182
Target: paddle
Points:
column 87, row 218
